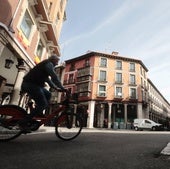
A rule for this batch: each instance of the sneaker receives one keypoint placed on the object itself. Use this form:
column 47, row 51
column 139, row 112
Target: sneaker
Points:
column 25, row 128
column 35, row 125
column 24, row 125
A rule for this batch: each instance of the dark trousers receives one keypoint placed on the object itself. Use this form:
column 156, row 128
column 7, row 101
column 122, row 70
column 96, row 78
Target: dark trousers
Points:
column 40, row 95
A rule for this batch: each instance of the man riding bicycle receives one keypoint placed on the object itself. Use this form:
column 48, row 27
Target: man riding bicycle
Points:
column 34, row 84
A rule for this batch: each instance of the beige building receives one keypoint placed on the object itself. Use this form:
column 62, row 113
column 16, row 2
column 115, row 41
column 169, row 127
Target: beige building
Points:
column 29, row 33
column 112, row 88
column 159, row 108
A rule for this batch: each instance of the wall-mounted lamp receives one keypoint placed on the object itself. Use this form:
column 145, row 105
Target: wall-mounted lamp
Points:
column 8, row 63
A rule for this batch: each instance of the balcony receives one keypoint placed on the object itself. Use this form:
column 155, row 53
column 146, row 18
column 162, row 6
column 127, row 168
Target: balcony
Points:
column 84, row 72
column 84, row 79
column 103, row 95
column 118, row 82
column 132, row 84
column 102, row 81
column 86, row 64
column 118, row 97
column 42, row 10
column 133, row 98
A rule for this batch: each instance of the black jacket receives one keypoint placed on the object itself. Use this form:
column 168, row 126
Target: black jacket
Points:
column 41, row 73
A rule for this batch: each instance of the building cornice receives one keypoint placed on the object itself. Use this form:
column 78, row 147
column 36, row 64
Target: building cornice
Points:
column 93, row 53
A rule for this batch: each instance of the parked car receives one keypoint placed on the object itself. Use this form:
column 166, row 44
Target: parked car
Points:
column 147, row 124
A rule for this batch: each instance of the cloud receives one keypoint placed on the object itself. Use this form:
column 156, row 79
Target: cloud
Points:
column 118, row 14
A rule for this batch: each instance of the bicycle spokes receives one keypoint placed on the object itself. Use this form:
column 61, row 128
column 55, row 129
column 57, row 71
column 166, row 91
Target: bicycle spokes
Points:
column 68, row 127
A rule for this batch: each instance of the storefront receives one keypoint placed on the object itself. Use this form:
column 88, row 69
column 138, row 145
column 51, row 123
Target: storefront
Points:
column 117, row 115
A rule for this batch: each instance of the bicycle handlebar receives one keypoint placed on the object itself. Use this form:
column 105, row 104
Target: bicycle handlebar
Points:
column 70, row 98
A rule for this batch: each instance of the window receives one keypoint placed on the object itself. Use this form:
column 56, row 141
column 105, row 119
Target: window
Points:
column 102, row 75
column 103, row 62
column 61, row 4
column 83, row 71
column 118, row 91
column 72, row 67
column 40, row 48
column 144, row 74
column 132, row 67
column 148, row 122
column 26, row 25
column 144, row 84
column 141, row 82
column 87, row 62
column 102, row 91
column 82, row 87
column 119, row 65
column 132, row 79
column 133, row 93
column 49, row 8
column 71, row 78
column 141, row 70
column 118, row 77
column 57, row 18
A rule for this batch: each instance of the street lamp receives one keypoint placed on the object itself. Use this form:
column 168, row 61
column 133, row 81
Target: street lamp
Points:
column 8, row 63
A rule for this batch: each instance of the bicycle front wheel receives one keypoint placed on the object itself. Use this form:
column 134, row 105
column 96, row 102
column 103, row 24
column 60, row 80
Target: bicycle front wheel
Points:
column 68, row 126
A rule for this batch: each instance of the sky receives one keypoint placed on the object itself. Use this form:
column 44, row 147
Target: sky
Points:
column 137, row 29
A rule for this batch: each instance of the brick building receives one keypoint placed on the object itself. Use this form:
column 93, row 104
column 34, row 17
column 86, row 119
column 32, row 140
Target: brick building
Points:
column 113, row 89
column 29, row 33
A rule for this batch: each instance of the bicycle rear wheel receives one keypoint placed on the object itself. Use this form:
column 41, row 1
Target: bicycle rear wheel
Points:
column 68, row 126
column 9, row 117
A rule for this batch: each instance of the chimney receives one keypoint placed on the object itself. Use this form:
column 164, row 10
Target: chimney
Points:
column 115, row 53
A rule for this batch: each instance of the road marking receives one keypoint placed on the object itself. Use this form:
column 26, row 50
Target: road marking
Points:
column 166, row 150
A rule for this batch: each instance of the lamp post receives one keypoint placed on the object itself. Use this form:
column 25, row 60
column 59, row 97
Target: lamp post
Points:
column 8, row 63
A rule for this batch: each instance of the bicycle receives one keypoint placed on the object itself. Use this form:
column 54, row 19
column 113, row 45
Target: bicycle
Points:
column 68, row 125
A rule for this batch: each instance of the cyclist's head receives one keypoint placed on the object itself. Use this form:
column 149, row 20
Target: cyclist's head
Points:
column 54, row 59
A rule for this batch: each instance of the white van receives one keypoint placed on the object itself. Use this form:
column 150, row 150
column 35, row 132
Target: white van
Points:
column 140, row 124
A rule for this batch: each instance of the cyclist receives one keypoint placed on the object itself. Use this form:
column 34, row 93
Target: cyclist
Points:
column 34, row 84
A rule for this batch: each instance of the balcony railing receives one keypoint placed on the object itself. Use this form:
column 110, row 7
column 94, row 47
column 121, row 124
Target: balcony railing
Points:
column 70, row 81
column 133, row 97
column 118, row 96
